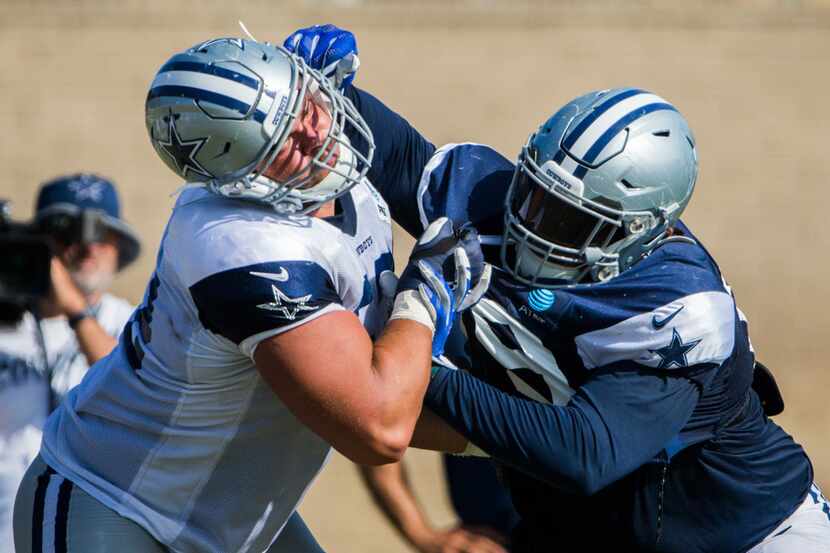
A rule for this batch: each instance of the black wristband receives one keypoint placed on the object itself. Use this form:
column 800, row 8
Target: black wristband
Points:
column 75, row 319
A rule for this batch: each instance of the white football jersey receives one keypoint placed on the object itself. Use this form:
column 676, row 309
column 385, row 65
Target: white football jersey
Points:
column 32, row 380
column 176, row 429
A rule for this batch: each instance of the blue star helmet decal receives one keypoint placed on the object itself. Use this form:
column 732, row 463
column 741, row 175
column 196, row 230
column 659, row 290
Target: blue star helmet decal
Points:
column 183, row 152
column 674, row 354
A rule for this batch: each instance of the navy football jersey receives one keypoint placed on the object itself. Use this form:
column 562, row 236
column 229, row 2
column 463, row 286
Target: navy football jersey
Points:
column 622, row 412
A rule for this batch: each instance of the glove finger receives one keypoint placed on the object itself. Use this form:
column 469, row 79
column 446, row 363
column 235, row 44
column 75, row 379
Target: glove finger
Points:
column 307, row 49
column 478, row 290
column 462, row 276
column 469, row 239
column 343, row 49
column 339, row 45
column 445, row 362
column 437, row 285
column 424, row 291
column 292, row 41
column 435, row 230
column 387, row 283
column 342, row 71
column 328, row 29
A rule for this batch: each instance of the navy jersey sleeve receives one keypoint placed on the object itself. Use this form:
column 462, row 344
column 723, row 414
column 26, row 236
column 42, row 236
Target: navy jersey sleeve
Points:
column 400, row 156
column 245, row 301
column 465, row 182
column 613, row 424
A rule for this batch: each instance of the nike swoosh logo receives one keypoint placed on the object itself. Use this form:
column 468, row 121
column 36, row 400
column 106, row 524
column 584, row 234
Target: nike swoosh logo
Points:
column 658, row 324
column 282, row 276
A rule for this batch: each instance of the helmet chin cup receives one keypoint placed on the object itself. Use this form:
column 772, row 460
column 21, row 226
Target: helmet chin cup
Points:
column 531, row 268
column 593, row 255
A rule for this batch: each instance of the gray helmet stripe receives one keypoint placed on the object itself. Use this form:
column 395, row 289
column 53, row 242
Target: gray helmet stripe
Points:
column 207, row 88
column 207, row 69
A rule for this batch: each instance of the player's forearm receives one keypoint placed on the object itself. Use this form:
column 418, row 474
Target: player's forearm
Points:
column 512, row 430
column 575, row 447
column 93, row 340
column 392, row 493
column 433, row 433
column 401, row 361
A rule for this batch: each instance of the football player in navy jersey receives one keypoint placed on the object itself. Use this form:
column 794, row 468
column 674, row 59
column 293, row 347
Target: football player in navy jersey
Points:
column 612, row 370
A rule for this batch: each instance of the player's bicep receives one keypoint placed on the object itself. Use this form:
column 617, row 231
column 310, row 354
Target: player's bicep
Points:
column 319, row 370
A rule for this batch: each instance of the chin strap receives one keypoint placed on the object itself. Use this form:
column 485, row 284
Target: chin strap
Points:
column 675, row 238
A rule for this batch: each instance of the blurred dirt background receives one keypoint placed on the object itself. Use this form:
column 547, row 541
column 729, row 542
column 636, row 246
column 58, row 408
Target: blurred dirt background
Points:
column 751, row 77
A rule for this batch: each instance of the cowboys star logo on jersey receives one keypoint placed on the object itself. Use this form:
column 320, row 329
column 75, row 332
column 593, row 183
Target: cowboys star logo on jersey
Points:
column 289, row 307
column 674, row 354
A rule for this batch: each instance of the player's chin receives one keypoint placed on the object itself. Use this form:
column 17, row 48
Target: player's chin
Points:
column 283, row 170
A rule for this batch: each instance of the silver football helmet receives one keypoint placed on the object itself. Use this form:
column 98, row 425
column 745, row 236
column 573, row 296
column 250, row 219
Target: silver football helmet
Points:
column 597, row 187
column 219, row 113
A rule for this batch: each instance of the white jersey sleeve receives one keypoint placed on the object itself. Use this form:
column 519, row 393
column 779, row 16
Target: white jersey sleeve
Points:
column 264, row 295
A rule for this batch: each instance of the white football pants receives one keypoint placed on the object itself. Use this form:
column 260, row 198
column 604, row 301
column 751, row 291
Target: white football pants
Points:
column 807, row 530
column 52, row 515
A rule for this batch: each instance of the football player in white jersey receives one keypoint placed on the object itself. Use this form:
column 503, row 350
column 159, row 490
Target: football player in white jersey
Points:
column 47, row 347
column 252, row 352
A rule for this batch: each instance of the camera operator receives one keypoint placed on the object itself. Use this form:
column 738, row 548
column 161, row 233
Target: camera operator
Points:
column 47, row 347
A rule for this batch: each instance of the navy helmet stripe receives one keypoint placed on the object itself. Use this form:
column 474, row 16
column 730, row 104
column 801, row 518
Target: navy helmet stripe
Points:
column 201, row 95
column 612, row 131
column 197, row 67
column 596, row 114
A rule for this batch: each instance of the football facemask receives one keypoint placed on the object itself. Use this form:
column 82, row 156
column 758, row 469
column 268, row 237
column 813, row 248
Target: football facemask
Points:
column 555, row 235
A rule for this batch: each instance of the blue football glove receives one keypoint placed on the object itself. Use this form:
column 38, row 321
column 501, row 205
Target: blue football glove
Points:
column 446, row 274
column 329, row 49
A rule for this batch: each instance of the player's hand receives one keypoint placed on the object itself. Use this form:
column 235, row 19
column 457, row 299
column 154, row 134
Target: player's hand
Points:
column 446, row 273
column 331, row 50
column 461, row 539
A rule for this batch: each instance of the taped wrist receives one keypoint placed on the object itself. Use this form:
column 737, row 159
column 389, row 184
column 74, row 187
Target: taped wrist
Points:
column 410, row 305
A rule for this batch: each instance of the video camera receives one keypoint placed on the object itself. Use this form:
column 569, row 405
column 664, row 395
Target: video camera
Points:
column 26, row 255
column 26, row 249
